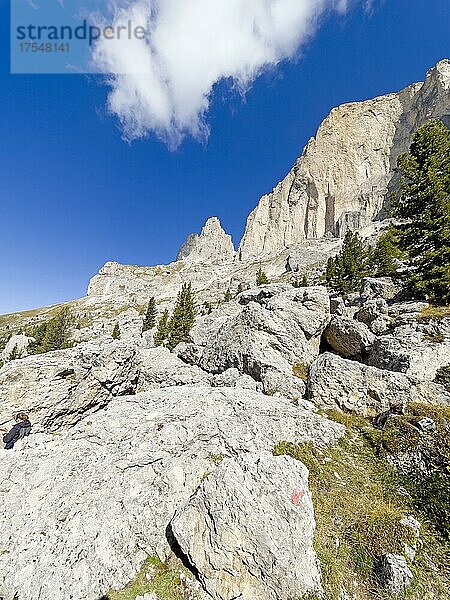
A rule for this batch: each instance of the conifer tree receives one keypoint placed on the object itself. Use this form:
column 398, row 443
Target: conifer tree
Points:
column 228, row 296
column 345, row 271
column 116, row 332
column 183, row 317
column 261, row 278
column 57, row 332
column 162, row 330
column 424, row 204
column 386, row 257
column 38, row 333
column 15, row 353
column 150, row 315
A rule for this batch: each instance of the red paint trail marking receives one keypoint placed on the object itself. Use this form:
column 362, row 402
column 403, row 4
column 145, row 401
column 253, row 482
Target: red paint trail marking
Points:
column 297, row 497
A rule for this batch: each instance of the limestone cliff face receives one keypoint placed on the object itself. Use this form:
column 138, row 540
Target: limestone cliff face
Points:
column 346, row 173
column 212, row 246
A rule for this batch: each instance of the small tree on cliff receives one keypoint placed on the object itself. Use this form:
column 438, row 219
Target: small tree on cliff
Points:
column 15, row 353
column 150, row 316
column 345, row 271
column 424, row 204
column 183, row 317
column 162, row 330
column 54, row 334
column 261, row 278
column 116, row 332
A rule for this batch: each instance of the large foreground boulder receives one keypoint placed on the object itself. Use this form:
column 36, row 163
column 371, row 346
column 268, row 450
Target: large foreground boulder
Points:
column 248, row 530
column 80, row 511
column 335, row 382
column 272, row 331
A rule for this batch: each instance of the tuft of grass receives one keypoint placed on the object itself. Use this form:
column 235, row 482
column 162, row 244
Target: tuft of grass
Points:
column 435, row 338
column 443, row 377
column 216, row 458
column 399, row 435
column 161, row 578
column 301, row 370
column 349, row 420
column 433, row 313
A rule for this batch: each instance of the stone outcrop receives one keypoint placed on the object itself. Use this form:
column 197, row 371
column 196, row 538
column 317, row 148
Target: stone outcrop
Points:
column 379, row 287
column 417, row 350
column 335, row 382
column 394, row 573
column 159, row 368
column 18, row 345
column 79, row 511
column 348, row 337
column 248, row 530
column 213, row 245
column 346, row 173
column 375, row 314
column 272, row 332
column 59, row 388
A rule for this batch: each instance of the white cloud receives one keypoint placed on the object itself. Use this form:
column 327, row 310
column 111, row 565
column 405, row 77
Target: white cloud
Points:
column 163, row 84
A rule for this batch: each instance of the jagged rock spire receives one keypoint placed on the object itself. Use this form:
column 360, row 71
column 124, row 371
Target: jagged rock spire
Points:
column 212, row 246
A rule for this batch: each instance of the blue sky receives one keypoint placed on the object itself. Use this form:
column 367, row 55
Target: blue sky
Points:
column 74, row 194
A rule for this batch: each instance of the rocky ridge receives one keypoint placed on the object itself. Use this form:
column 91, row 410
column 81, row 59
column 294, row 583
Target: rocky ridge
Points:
column 346, row 172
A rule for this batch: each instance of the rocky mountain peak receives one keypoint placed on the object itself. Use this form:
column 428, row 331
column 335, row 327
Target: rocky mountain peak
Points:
column 212, row 246
column 345, row 175
column 442, row 72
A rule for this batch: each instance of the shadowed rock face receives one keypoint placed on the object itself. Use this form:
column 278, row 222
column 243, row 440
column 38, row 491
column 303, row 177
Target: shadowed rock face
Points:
column 345, row 173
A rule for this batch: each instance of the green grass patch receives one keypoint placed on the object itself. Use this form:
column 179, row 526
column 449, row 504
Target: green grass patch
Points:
column 301, row 370
column 359, row 501
column 433, row 313
column 161, row 578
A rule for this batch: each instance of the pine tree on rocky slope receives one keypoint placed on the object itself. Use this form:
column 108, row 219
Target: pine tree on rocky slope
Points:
column 424, row 202
column 345, row 271
column 54, row 334
column 162, row 330
column 183, row 317
column 150, row 315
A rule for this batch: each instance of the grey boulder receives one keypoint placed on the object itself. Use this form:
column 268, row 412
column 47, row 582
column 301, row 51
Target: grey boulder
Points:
column 394, row 573
column 248, row 530
column 335, row 382
column 348, row 337
column 379, row 287
column 271, row 332
column 416, row 350
column 59, row 388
